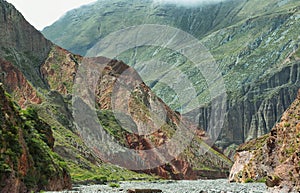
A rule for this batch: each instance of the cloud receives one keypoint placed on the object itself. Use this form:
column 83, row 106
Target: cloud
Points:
column 188, row 2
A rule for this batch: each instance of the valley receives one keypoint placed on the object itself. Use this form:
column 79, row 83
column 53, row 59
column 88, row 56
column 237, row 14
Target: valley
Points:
column 152, row 94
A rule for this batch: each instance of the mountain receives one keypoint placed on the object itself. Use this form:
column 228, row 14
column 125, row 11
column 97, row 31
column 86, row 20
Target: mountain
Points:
column 274, row 157
column 41, row 78
column 255, row 46
column 138, row 111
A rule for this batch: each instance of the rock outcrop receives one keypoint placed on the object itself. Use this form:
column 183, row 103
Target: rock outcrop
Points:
column 17, row 84
column 273, row 158
column 67, row 63
column 27, row 162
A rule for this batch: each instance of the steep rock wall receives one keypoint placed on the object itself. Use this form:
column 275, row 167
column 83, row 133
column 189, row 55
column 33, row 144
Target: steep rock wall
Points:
column 274, row 157
column 21, row 44
column 254, row 111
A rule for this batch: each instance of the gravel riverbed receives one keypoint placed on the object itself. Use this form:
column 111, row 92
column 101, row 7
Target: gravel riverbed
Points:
column 184, row 186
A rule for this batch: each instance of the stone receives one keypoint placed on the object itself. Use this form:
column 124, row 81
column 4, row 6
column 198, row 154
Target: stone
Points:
column 144, row 190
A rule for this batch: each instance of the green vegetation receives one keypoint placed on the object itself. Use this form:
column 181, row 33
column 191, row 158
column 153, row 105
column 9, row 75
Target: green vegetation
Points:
column 297, row 53
column 254, row 144
column 246, row 42
column 29, row 136
column 58, row 75
column 204, row 157
column 114, row 185
column 104, row 174
column 111, row 125
column 261, row 180
column 48, row 164
column 249, row 180
column 26, row 143
column 38, row 136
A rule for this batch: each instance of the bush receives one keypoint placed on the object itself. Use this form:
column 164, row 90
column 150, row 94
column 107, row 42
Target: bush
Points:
column 262, row 180
column 114, row 185
column 249, row 180
column 100, row 179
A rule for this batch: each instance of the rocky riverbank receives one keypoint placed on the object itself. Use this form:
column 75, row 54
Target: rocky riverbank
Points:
column 184, row 186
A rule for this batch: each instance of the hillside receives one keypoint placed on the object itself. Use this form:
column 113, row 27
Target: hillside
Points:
column 27, row 160
column 274, row 157
column 40, row 77
column 255, row 46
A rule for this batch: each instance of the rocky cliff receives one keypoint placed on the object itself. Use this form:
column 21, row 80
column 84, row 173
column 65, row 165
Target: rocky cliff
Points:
column 21, row 44
column 27, row 162
column 273, row 158
column 17, row 84
column 255, row 48
column 254, row 110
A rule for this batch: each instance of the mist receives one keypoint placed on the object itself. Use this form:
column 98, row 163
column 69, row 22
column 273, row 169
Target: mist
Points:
column 188, row 2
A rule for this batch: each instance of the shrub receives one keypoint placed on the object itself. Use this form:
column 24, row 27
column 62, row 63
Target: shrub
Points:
column 114, row 185
column 100, row 179
column 249, row 180
column 262, row 180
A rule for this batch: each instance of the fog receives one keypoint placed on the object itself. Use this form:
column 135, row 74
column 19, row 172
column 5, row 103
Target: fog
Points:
column 188, row 2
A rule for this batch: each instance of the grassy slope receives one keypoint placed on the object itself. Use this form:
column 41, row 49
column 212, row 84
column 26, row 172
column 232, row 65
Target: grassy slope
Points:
column 82, row 163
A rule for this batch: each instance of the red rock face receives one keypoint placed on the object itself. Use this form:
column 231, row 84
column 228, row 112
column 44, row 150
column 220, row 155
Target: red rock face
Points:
column 16, row 83
column 59, row 70
column 274, row 157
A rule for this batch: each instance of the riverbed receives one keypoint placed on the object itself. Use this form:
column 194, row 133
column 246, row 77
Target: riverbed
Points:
column 184, row 186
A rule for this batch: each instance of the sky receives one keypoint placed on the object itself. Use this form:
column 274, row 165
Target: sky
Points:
column 42, row 13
